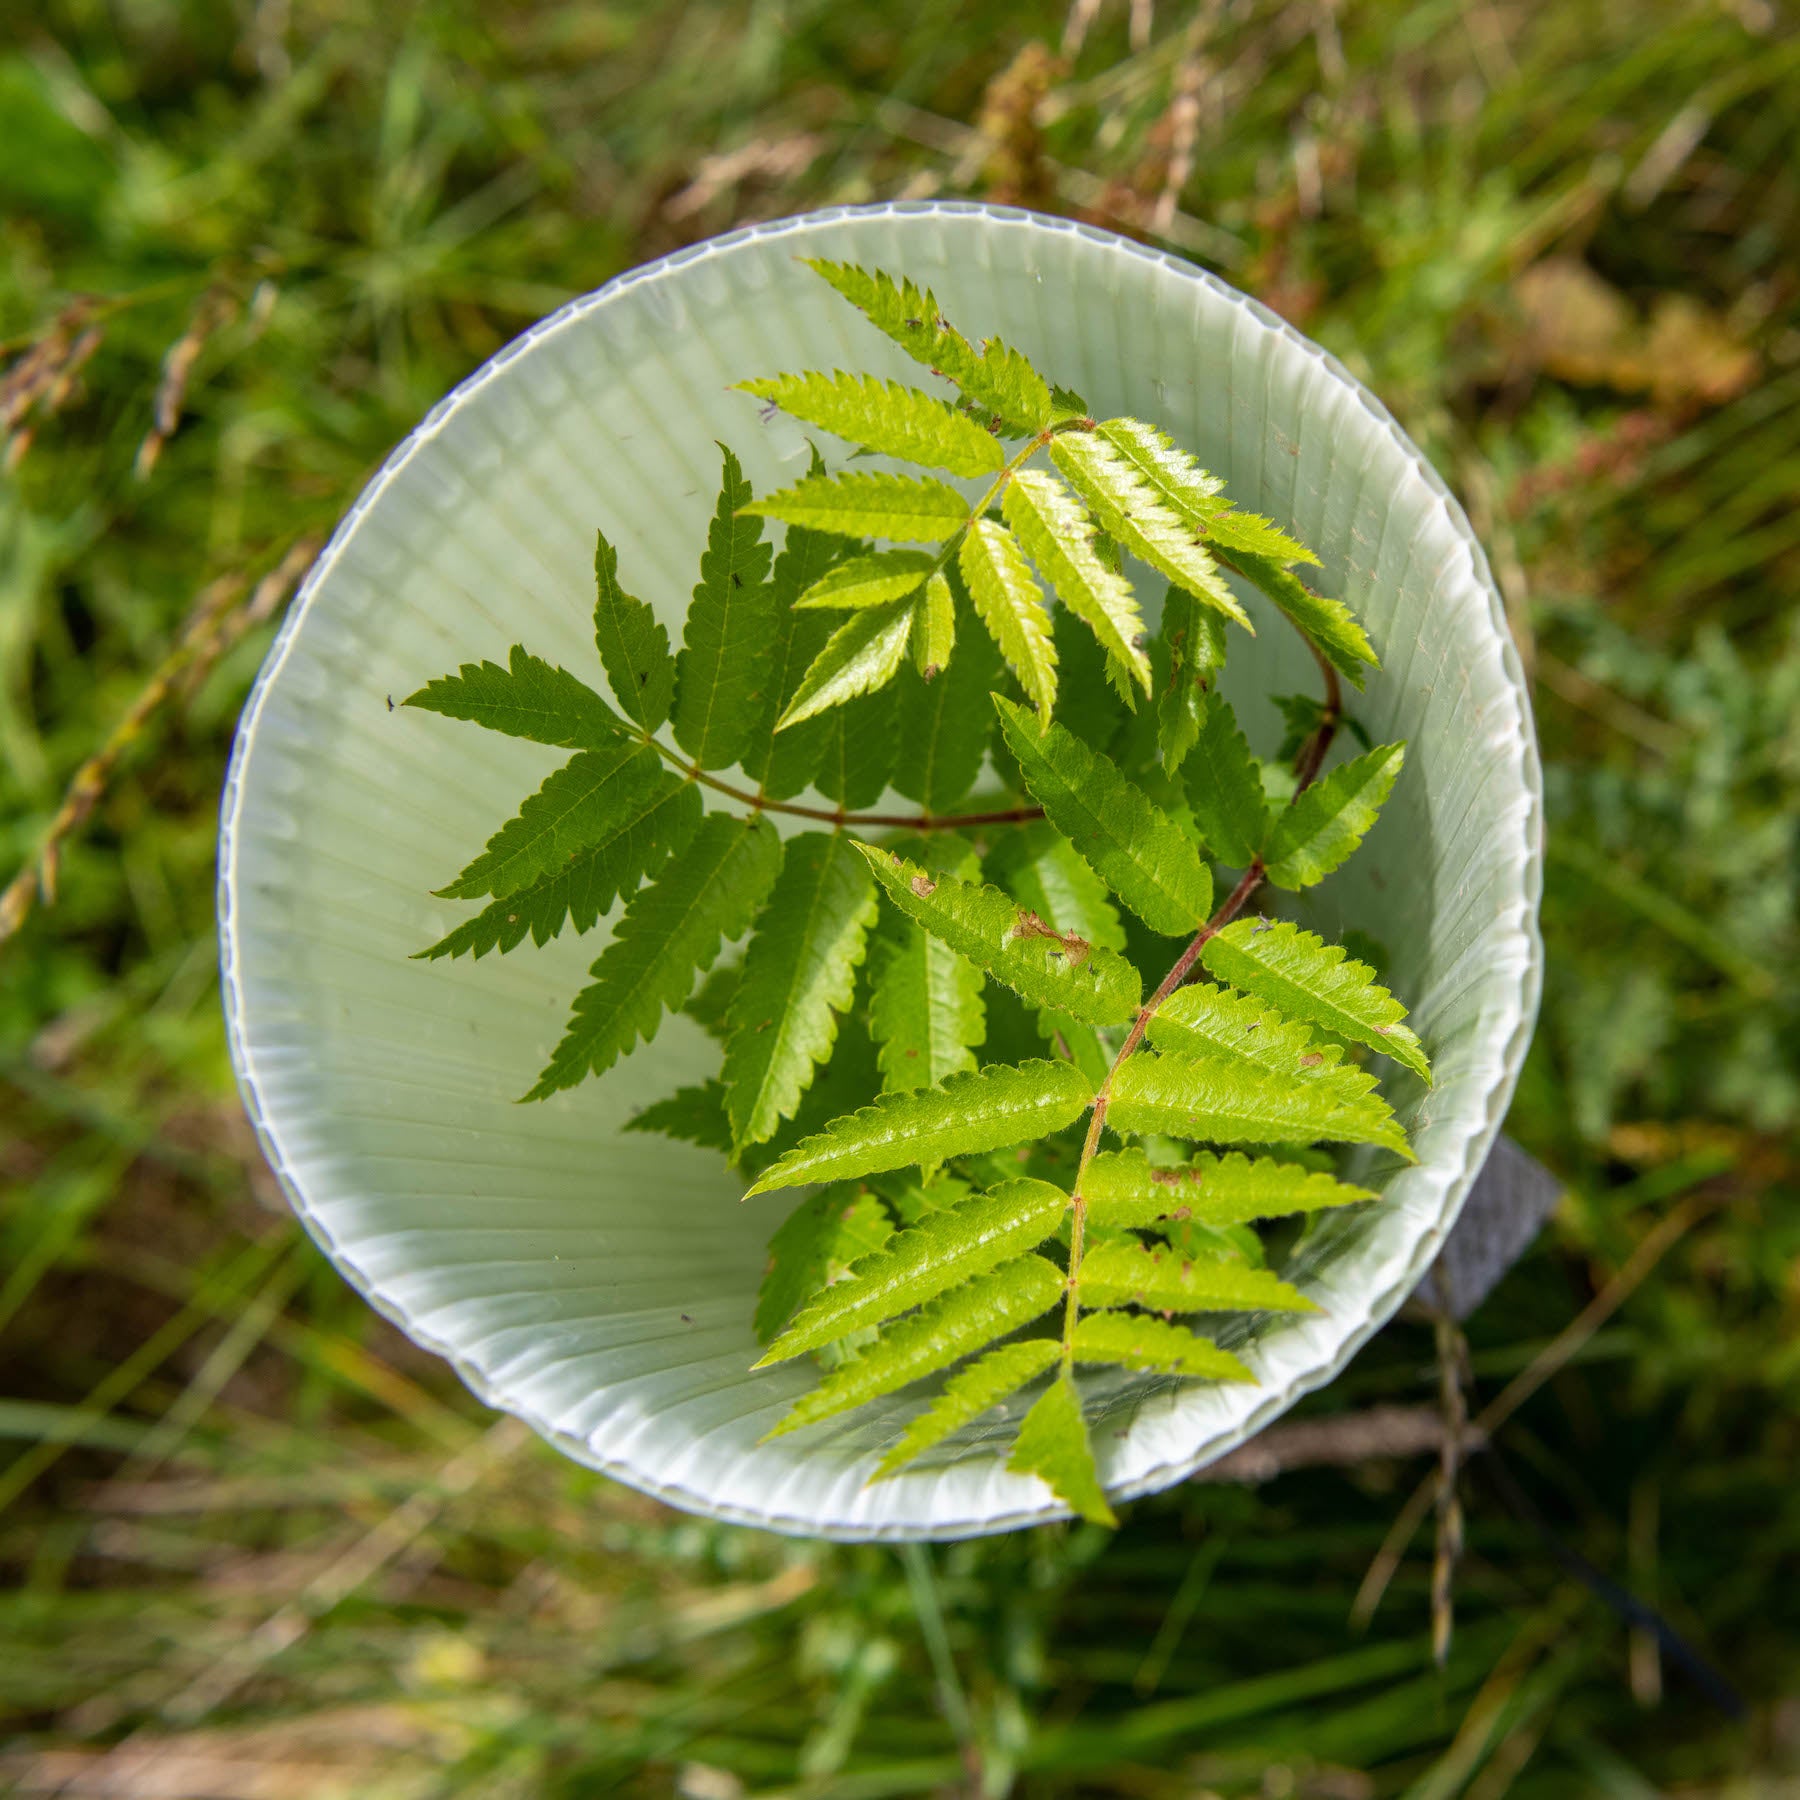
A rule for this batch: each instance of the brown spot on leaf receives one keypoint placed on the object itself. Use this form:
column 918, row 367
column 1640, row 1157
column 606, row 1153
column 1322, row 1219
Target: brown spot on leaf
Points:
column 924, row 886
column 1030, row 925
column 1312, row 1061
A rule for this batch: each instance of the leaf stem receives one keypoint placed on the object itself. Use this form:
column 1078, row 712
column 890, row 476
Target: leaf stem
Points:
column 837, row 815
column 1306, row 769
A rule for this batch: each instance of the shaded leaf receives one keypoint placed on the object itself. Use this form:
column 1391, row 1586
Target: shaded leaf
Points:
column 726, row 646
column 657, row 819
column 1325, row 824
column 694, row 1115
column 886, row 417
column 1011, row 606
column 1124, row 1188
column 1054, row 530
column 1120, row 1273
column 925, row 1010
column 1209, row 1100
column 945, row 723
column 1012, row 943
column 1307, row 978
column 1128, row 1341
column 1329, row 624
column 862, row 748
column 868, row 580
column 986, row 1109
column 1132, row 512
column 1195, row 636
column 634, row 648
column 579, row 804
column 912, row 1197
column 822, row 1237
column 785, row 762
column 863, row 654
column 710, row 1004
column 1128, row 841
column 530, row 698
column 909, row 508
column 1225, row 790
column 967, row 1395
column 966, row 1319
column 1053, row 1445
column 799, row 972
column 927, row 1259
column 668, row 931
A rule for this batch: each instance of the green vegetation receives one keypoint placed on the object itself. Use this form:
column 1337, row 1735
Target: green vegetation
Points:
column 251, row 1534
column 1093, row 813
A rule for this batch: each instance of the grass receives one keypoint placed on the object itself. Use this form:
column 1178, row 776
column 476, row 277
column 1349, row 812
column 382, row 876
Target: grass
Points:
column 258, row 1545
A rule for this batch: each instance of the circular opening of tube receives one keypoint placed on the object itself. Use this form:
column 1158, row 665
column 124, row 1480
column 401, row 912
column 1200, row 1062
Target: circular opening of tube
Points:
column 601, row 1286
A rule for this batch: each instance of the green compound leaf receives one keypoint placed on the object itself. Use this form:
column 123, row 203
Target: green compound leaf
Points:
column 784, row 763
column 1012, row 943
column 1120, row 1273
column 1133, row 513
column 692, row 1115
column 528, row 699
column 1329, row 624
column 799, row 973
column 669, row 931
column 1327, row 822
column 1174, row 477
column 926, row 1010
column 1128, row 841
column 579, row 804
column 1053, row 1445
column 1195, row 638
column 823, row 1236
column 967, row 1395
column 997, row 378
column 1225, row 789
column 1209, row 1100
column 634, row 648
column 868, row 580
column 886, row 417
column 863, row 654
column 1011, row 606
column 862, row 747
column 942, row 1251
column 1235, row 532
column 1129, row 1341
column 945, row 722
column 1307, row 978
column 1124, row 1188
column 654, row 820
column 1203, row 1020
column 727, row 643
column 1195, row 496
column 955, row 1325
column 1054, row 530
column 986, row 1109
column 909, row 509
